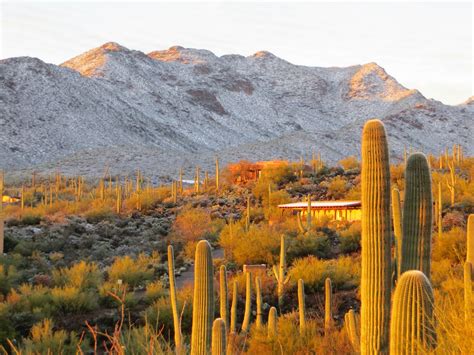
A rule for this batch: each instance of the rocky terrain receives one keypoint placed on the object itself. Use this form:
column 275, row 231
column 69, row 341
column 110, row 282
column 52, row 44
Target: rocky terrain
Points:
column 120, row 109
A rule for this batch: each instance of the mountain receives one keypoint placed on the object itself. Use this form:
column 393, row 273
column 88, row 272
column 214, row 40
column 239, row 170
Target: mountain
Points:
column 122, row 109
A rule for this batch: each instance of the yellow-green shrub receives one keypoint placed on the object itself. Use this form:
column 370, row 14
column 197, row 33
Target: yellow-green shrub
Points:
column 132, row 272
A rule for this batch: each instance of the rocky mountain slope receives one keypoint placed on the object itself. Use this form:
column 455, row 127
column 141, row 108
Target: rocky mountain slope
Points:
column 123, row 109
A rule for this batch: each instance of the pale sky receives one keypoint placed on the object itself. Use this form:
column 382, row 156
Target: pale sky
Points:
column 425, row 46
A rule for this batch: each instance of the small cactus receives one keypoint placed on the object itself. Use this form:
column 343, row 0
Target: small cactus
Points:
column 174, row 301
column 327, row 305
column 248, row 302
column 219, row 341
column 272, row 323
column 301, row 306
column 203, row 300
column 280, row 274
column 376, row 240
column 258, row 301
column 224, row 301
column 352, row 329
column 417, row 216
column 412, row 328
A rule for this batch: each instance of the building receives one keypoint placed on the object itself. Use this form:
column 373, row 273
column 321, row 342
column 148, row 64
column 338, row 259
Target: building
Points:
column 337, row 210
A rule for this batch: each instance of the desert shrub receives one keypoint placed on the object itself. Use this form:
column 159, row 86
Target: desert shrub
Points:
column 154, row 290
column 30, row 219
column 160, row 312
column 344, row 272
column 350, row 238
column 337, row 188
column 44, row 340
column 8, row 277
column 147, row 339
column 453, row 219
column 451, row 246
column 70, row 299
column 314, row 243
column 349, row 163
column 132, row 272
column 259, row 245
column 192, row 224
column 98, row 212
column 82, row 275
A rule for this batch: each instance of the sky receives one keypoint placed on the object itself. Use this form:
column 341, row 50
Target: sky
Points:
column 425, row 46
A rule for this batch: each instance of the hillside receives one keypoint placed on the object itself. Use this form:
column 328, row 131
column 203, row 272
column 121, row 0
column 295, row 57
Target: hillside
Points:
column 124, row 109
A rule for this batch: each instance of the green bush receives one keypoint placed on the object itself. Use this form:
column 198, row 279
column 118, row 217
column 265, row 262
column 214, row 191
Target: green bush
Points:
column 132, row 272
column 82, row 275
column 350, row 238
column 70, row 299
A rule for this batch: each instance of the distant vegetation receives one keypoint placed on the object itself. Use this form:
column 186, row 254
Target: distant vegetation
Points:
column 86, row 263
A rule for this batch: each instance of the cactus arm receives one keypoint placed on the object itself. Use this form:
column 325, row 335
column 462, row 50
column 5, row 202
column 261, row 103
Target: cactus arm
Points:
column 219, row 341
column 224, row 301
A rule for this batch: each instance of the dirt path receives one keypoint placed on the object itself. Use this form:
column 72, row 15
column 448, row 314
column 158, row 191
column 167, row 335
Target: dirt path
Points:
column 187, row 277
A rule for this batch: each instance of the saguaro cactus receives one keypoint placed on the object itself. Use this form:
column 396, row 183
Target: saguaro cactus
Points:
column 248, row 302
column 307, row 227
column 217, row 174
column 301, row 306
column 258, row 301
column 174, row 302
column 247, row 215
column 224, row 301
column 203, row 301
column 412, row 328
column 272, row 323
column 233, row 310
column 397, row 227
column 219, row 339
column 280, row 274
column 468, row 304
column 376, row 240
column 417, row 216
column 327, row 305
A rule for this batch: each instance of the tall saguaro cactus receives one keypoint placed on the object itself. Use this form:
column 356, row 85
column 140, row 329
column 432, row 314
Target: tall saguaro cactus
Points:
column 258, row 301
column 470, row 239
column 219, row 339
column 468, row 271
column 174, row 302
column 280, row 274
column 301, row 306
column 203, row 300
column 248, row 302
column 217, row 174
column 307, row 227
column 224, row 301
column 417, row 216
column 233, row 310
column 376, row 240
column 412, row 328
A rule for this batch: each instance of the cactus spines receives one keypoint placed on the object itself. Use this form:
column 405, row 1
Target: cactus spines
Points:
column 219, row 339
column 327, row 305
column 248, row 302
column 224, row 301
column 174, row 301
column 352, row 329
column 468, row 303
column 272, row 323
column 412, row 328
column 258, row 301
column 203, row 300
column 376, row 240
column 280, row 274
column 470, row 239
column 397, row 227
column 301, row 306
column 233, row 310
column 417, row 216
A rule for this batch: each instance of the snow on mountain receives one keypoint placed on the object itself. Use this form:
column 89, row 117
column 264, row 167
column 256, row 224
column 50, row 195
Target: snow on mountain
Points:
column 124, row 109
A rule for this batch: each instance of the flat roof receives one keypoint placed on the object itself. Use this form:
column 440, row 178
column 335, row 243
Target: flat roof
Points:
column 322, row 205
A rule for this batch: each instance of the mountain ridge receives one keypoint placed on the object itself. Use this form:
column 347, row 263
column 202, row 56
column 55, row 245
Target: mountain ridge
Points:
column 188, row 105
